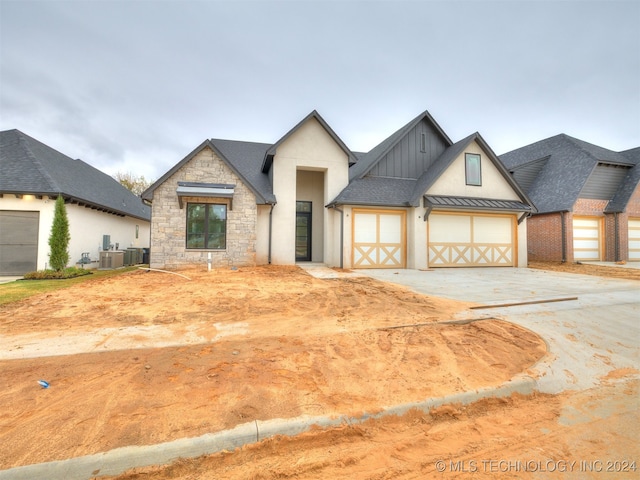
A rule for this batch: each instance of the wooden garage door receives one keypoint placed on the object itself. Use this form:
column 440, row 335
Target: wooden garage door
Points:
column 18, row 242
column 634, row 240
column 471, row 240
column 586, row 238
column 379, row 239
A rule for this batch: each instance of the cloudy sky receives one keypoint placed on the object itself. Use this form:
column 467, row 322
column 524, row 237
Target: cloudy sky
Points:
column 134, row 86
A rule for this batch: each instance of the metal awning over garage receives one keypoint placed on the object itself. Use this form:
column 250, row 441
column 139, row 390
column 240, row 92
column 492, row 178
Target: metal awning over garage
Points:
column 471, row 203
column 207, row 190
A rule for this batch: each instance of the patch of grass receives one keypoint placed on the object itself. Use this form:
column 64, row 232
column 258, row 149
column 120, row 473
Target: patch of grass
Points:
column 21, row 289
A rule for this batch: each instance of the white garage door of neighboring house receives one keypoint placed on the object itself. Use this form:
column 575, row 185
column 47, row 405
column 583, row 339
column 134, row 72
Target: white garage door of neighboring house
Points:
column 471, row 240
column 18, row 242
column 586, row 238
column 634, row 240
column 379, row 239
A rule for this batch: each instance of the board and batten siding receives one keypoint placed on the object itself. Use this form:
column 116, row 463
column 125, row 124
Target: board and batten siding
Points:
column 406, row 159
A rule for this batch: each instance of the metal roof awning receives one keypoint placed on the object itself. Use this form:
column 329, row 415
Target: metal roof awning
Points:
column 466, row 203
column 208, row 190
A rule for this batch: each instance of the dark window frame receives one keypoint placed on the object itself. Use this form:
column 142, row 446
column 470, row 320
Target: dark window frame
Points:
column 208, row 234
column 470, row 176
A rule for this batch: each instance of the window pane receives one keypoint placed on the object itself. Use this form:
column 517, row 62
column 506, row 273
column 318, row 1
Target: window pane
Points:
column 303, row 206
column 217, row 227
column 195, row 225
column 472, row 164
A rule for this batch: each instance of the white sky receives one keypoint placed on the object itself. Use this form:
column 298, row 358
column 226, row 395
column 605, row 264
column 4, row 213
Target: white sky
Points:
column 134, row 86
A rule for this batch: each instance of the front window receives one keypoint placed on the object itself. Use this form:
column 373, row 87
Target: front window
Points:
column 206, row 226
column 472, row 169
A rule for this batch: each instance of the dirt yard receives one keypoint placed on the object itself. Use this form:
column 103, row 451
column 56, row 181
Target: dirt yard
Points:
column 148, row 357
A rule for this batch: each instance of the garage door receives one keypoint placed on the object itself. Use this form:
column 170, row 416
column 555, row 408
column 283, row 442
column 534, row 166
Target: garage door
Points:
column 379, row 239
column 586, row 238
column 634, row 240
column 471, row 240
column 18, row 242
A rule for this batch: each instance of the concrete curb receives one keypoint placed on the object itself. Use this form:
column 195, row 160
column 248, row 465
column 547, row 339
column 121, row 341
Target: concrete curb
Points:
column 119, row 460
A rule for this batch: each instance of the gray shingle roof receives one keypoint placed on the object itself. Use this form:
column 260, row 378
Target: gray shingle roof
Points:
column 377, row 191
column 569, row 165
column 243, row 158
column 28, row 166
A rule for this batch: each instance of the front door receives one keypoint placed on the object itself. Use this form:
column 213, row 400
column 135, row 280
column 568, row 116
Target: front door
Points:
column 303, row 231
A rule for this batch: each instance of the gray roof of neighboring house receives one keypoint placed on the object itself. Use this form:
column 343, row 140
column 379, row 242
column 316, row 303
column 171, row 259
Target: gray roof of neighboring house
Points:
column 569, row 164
column 28, row 166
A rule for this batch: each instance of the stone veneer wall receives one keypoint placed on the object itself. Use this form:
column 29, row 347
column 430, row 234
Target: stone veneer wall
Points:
column 168, row 220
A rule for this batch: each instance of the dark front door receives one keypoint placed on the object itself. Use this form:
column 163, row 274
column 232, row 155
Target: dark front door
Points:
column 303, row 231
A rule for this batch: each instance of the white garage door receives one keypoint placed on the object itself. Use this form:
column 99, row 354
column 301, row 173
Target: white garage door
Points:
column 634, row 240
column 379, row 239
column 471, row 240
column 586, row 238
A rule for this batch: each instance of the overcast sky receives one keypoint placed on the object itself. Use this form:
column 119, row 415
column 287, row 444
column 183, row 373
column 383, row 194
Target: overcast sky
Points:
column 134, row 86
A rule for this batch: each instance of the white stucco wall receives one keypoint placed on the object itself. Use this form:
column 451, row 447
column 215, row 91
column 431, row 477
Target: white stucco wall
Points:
column 262, row 235
column 310, row 147
column 521, row 232
column 86, row 228
column 452, row 181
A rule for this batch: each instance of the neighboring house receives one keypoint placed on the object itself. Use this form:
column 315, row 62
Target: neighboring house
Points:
column 417, row 200
column 32, row 176
column 588, row 200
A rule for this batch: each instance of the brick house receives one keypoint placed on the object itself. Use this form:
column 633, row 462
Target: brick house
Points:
column 587, row 197
column 415, row 200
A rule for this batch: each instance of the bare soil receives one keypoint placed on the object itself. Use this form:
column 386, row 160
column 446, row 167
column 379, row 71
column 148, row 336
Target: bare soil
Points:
column 612, row 271
column 148, row 357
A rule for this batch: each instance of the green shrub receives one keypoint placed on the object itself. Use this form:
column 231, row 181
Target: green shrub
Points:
column 59, row 239
column 70, row 272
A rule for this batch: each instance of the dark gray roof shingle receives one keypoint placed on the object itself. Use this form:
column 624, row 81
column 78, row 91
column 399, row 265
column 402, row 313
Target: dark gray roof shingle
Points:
column 28, row 166
column 569, row 165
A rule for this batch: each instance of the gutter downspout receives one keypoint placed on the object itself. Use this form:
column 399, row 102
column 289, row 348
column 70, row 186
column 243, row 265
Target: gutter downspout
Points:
column 616, row 237
column 564, row 238
column 270, row 231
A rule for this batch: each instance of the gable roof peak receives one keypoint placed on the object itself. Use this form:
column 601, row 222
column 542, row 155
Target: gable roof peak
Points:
column 270, row 153
column 370, row 159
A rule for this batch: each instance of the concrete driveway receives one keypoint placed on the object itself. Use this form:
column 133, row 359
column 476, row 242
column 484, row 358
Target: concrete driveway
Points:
column 591, row 338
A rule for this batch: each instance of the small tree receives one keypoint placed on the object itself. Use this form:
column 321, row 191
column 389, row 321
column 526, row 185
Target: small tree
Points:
column 59, row 239
column 134, row 183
